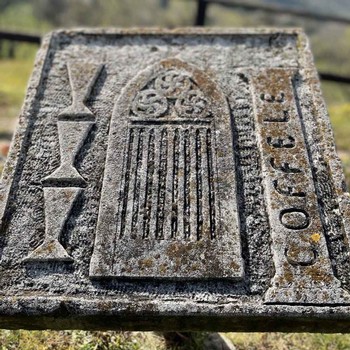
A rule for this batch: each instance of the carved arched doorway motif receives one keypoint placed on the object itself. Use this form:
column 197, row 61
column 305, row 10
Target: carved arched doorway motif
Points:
column 168, row 206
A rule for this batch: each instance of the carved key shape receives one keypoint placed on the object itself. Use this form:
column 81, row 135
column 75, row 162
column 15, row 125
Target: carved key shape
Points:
column 82, row 77
column 58, row 205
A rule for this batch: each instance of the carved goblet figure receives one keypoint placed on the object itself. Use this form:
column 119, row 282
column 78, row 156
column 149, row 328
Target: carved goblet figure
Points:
column 58, row 205
column 71, row 138
column 82, row 77
column 75, row 122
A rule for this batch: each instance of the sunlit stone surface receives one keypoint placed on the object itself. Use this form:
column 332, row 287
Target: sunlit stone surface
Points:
column 174, row 180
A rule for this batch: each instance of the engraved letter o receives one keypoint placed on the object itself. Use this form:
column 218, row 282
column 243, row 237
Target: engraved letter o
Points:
column 309, row 256
column 294, row 219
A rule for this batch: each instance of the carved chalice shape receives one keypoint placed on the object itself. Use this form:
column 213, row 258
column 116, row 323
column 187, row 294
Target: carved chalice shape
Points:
column 82, row 77
column 71, row 138
column 58, row 205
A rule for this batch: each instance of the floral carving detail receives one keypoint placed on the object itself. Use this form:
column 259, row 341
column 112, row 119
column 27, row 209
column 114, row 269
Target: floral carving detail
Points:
column 192, row 104
column 172, row 84
column 149, row 103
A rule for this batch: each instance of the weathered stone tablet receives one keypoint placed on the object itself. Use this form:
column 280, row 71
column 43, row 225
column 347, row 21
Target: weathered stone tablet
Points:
column 174, row 180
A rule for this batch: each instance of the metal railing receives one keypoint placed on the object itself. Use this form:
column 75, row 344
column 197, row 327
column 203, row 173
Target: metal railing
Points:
column 20, row 37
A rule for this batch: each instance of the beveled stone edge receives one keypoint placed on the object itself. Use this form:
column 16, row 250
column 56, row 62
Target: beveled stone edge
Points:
column 309, row 72
column 179, row 31
column 21, row 131
column 59, row 313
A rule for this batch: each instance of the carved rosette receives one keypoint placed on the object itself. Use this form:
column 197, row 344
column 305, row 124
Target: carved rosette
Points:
column 150, row 103
column 171, row 94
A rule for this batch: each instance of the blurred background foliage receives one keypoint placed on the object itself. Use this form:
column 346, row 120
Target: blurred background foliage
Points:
column 330, row 43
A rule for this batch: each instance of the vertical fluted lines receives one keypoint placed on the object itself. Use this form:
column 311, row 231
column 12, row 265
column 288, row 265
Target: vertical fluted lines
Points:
column 168, row 184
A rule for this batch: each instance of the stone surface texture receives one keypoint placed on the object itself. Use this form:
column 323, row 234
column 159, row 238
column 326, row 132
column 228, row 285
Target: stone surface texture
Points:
column 174, row 180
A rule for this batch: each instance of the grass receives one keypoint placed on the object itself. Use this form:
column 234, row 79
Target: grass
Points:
column 14, row 76
column 340, row 119
column 289, row 341
column 20, row 16
column 82, row 340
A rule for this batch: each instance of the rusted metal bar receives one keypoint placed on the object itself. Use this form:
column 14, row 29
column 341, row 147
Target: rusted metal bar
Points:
column 201, row 12
column 22, row 37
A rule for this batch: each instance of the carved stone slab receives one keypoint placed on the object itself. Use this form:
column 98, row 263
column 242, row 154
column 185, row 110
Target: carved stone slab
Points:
column 174, row 180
